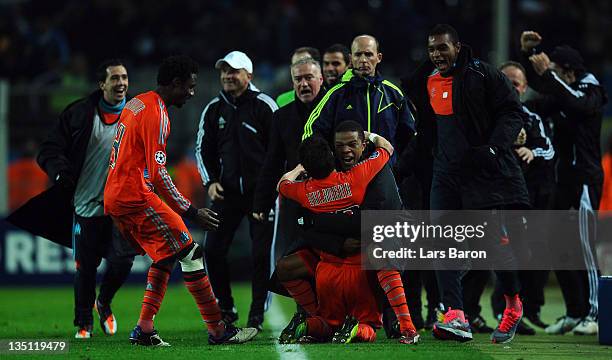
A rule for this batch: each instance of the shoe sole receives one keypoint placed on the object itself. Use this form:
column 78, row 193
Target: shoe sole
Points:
column 136, row 342
column 494, row 341
column 584, row 333
column 246, row 334
column 455, row 334
column 415, row 341
column 103, row 323
column 348, row 339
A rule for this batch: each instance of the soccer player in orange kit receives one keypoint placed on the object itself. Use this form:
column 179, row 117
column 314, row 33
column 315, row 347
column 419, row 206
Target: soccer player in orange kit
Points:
column 343, row 288
column 137, row 171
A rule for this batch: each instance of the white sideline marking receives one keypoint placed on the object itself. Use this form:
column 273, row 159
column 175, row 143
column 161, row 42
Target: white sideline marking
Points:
column 277, row 320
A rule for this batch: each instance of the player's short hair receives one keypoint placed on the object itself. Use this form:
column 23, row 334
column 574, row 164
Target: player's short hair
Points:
column 351, row 126
column 515, row 64
column 177, row 66
column 101, row 69
column 316, row 157
column 341, row 49
column 313, row 52
column 441, row 29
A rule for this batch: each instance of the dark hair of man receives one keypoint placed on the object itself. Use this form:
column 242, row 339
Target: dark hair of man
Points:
column 313, row 52
column 441, row 29
column 316, row 157
column 351, row 126
column 568, row 58
column 339, row 48
column 515, row 64
column 178, row 66
column 101, row 73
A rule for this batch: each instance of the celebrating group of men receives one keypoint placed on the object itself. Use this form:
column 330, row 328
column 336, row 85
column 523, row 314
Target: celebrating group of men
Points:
column 343, row 140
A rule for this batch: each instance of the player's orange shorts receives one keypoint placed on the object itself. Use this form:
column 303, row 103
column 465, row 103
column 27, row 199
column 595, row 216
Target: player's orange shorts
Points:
column 157, row 230
column 310, row 258
column 345, row 289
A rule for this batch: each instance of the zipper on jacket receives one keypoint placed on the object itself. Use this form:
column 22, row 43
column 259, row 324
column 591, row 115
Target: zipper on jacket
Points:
column 368, row 106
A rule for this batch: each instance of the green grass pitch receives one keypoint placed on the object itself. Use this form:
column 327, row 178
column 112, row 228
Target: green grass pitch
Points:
column 46, row 313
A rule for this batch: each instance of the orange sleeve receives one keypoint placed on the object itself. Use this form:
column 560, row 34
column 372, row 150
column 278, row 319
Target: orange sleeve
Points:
column 292, row 190
column 365, row 171
column 155, row 133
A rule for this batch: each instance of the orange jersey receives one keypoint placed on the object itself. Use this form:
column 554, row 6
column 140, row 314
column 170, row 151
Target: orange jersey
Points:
column 340, row 190
column 440, row 90
column 138, row 159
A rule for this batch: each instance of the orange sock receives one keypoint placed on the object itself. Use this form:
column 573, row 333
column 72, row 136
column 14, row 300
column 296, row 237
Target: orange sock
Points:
column 157, row 282
column 303, row 294
column 365, row 333
column 318, row 328
column 198, row 285
column 391, row 283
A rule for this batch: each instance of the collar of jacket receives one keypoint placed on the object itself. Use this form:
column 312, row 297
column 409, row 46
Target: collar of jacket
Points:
column 303, row 108
column 359, row 81
column 247, row 95
column 95, row 97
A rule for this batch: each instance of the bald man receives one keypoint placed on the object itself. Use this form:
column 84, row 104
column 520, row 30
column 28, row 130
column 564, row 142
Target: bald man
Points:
column 365, row 97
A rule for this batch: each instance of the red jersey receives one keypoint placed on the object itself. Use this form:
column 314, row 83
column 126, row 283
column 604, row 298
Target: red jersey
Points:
column 440, row 90
column 340, row 190
column 138, row 159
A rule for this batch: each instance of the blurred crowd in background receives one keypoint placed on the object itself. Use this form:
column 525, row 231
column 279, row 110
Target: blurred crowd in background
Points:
column 48, row 50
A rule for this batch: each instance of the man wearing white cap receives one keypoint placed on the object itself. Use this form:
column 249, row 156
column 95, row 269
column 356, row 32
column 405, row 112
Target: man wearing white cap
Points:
column 230, row 148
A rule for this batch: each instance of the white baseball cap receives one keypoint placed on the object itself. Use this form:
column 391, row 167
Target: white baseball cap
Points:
column 237, row 60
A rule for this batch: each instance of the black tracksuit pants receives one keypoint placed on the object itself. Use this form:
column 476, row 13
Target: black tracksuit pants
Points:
column 95, row 238
column 580, row 287
column 446, row 195
column 231, row 211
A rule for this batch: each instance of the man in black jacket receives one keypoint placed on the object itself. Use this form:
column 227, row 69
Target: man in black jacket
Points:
column 285, row 138
column 233, row 136
column 536, row 156
column 575, row 100
column 469, row 113
column 75, row 156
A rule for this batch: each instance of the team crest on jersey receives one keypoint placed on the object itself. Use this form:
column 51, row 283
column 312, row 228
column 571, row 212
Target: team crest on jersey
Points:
column 160, row 158
column 374, row 155
column 184, row 237
column 221, row 123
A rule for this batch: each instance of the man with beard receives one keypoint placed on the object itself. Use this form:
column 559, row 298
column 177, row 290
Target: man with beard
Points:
column 336, row 60
column 232, row 139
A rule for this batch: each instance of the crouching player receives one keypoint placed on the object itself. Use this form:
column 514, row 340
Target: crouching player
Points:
column 343, row 288
column 137, row 169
